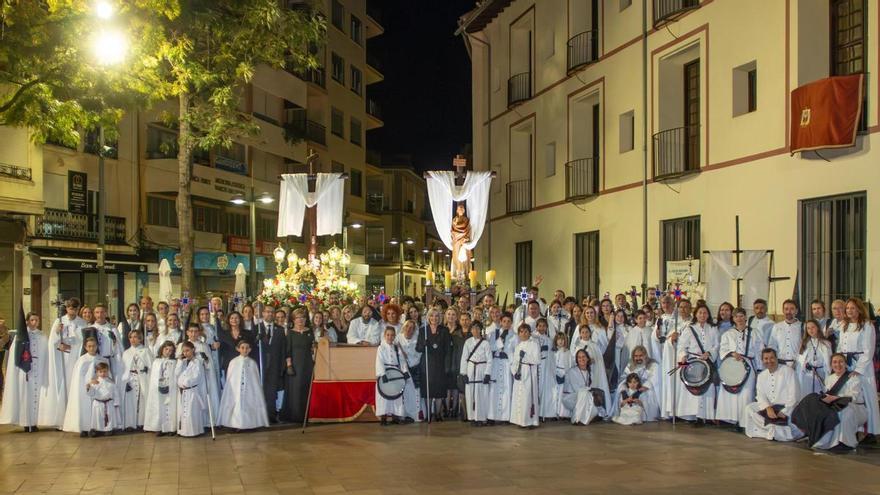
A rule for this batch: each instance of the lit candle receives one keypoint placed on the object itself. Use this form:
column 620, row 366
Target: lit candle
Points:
column 447, row 279
column 429, row 277
column 472, row 276
column 490, row 277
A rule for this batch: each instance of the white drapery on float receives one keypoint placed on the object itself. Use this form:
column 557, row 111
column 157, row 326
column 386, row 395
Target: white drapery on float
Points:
column 442, row 192
column 295, row 197
column 753, row 270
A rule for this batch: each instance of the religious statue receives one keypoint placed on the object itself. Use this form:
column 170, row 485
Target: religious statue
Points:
column 461, row 234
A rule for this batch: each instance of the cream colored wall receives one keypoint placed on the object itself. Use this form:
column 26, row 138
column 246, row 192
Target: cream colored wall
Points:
column 764, row 190
column 19, row 195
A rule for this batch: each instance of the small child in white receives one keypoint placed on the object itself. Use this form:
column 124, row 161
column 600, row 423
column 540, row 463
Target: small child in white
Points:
column 243, row 406
column 631, row 411
column 103, row 394
column 133, row 386
column 193, row 398
column 389, row 356
column 161, row 410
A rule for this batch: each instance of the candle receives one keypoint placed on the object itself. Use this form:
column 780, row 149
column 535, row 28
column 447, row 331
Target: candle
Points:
column 429, row 277
column 447, row 279
column 472, row 276
column 490, row 277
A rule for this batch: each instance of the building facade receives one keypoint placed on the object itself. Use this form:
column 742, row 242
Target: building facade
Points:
column 617, row 151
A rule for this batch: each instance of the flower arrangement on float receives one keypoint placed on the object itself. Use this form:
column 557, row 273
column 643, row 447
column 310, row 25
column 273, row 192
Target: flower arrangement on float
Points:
column 309, row 283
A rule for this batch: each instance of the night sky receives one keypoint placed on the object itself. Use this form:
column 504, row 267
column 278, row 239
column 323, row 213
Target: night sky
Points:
column 426, row 94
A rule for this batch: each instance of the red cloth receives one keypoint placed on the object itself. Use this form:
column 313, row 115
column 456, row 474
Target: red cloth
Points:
column 341, row 401
column 825, row 113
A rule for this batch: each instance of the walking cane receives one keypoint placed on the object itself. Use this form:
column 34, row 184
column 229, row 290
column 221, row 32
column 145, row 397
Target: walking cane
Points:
column 675, row 357
column 308, row 399
column 210, row 410
column 428, row 401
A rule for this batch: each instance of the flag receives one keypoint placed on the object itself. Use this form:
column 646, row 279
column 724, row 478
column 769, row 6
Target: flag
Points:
column 22, row 350
column 825, row 113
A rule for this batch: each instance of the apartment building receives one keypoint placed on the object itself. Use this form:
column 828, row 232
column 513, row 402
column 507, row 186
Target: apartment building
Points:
column 617, row 151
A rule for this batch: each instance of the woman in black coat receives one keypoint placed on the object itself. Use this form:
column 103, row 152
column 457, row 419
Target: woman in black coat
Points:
column 300, row 364
column 230, row 335
column 434, row 344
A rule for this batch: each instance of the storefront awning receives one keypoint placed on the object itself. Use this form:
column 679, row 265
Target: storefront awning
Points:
column 218, row 262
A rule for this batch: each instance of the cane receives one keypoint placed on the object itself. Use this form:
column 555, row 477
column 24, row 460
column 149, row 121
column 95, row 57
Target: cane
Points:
column 428, row 401
column 308, row 401
column 675, row 357
column 210, row 410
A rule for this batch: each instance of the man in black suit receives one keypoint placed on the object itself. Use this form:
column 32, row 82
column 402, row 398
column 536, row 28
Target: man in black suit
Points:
column 271, row 342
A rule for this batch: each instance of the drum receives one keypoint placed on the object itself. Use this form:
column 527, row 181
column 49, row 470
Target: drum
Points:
column 697, row 376
column 733, row 373
column 392, row 388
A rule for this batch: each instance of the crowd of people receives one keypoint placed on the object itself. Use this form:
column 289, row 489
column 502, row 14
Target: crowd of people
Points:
column 176, row 372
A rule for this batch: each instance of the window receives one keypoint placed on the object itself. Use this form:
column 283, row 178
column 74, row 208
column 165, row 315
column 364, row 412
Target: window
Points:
column 267, row 228
column 626, row 131
column 355, row 132
column 679, row 238
column 550, row 159
column 206, row 219
column 356, row 30
column 338, row 15
column 692, row 114
column 745, row 89
column 848, row 33
column 161, row 143
column 161, row 211
column 586, row 264
column 237, row 224
column 337, row 65
column 357, row 81
column 523, row 264
column 375, row 243
column 356, row 183
column 833, row 237
column 337, row 122
column 337, row 167
column 356, row 241
column 231, row 159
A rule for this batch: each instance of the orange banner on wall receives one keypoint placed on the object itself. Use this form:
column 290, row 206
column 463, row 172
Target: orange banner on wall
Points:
column 825, row 113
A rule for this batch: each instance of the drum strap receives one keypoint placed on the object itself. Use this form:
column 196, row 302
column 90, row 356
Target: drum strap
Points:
column 700, row 344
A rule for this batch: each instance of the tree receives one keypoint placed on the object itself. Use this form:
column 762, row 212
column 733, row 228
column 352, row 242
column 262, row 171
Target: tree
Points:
column 201, row 53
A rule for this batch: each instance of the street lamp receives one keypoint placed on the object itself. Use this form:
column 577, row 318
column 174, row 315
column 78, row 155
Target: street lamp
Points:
column 395, row 242
column 251, row 200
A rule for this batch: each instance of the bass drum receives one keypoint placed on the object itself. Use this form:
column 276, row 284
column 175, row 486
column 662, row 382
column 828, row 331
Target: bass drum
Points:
column 391, row 384
column 697, row 376
column 733, row 373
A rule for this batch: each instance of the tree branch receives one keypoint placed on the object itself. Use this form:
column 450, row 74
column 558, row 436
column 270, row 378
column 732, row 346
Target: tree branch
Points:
column 18, row 93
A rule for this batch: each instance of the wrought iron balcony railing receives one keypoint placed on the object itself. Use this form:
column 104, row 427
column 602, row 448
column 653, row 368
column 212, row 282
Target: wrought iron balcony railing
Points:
column 64, row 225
column 519, row 88
column 581, row 178
column 583, row 49
column 669, row 10
column 676, row 152
column 519, row 196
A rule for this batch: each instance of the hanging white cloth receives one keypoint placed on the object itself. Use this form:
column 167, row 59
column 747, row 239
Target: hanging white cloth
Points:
column 722, row 271
column 295, row 198
column 165, row 293
column 442, row 192
column 240, row 279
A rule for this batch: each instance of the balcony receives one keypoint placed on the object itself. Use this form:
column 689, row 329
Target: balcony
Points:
column 583, row 49
column 374, row 112
column 375, row 203
column 581, row 178
column 318, row 76
column 12, row 172
column 374, row 20
column 519, row 88
column 519, row 196
column 67, row 226
column 297, row 127
column 676, row 152
column 669, row 10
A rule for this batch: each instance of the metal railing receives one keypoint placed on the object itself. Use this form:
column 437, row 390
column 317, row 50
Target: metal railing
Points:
column 519, row 88
column 374, row 109
column 676, row 152
column 64, row 225
column 297, row 126
column 668, row 10
column 583, row 49
column 375, row 203
column 581, row 178
column 519, row 196
column 15, row 172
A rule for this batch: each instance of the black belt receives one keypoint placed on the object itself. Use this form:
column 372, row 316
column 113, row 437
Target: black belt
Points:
column 105, row 401
column 477, row 362
column 188, row 388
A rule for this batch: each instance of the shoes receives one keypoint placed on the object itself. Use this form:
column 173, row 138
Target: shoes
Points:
column 160, row 434
column 93, row 433
column 129, row 430
column 83, row 434
column 408, row 420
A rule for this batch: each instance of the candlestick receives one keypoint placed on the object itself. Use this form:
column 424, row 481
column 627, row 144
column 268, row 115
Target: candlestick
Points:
column 447, row 279
column 472, row 277
column 429, row 277
column 490, row 277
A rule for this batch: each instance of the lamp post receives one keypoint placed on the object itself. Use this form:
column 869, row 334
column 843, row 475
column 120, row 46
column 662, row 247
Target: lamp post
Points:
column 395, row 242
column 251, row 200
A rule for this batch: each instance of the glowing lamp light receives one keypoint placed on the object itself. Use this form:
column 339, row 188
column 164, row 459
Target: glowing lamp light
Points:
column 103, row 9
column 110, row 47
column 266, row 199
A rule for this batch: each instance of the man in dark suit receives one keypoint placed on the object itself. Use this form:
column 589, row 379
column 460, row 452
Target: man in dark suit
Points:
column 271, row 342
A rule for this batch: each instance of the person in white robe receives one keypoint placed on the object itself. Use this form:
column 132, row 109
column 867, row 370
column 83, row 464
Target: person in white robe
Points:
column 557, row 319
column 560, row 360
column 813, row 361
column 23, row 387
column 243, row 406
column 389, row 355
column 110, row 341
column 192, row 405
column 585, row 392
column 210, row 337
column 540, row 336
column 161, row 411
column 364, row 330
column 134, row 382
column 171, row 332
column 838, row 322
column 524, row 365
column 584, row 341
column 665, row 338
column 786, row 336
column 78, row 412
column 743, row 343
column 621, row 356
column 759, row 320
column 532, row 314
column 648, row 372
column 857, row 342
column 407, row 340
column 853, row 416
column 630, row 408
column 203, row 355
column 64, row 347
column 597, row 335
column 637, row 335
column 476, row 365
column 103, row 395
column 131, row 322
column 503, row 342
column 698, row 341
column 769, row 417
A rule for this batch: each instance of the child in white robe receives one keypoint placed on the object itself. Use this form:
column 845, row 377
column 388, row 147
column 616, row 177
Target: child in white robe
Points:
column 524, row 366
column 22, row 388
column 192, row 399
column 388, row 355
column 630, row 408
column 407, row 340
column 134, row 381
column 476, row 365
column 503, row 341
column 194, row 334
column 541, row 336
column 243, row 406
column 161, row 410
column 79, row 406
column 104, row 402
column 648, row 372
column 560, row 358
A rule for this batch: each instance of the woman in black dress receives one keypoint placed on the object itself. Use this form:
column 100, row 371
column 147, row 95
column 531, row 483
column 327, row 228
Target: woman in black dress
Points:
column 299, row 368
column 434, row 344
column 231, row 334
column 457, row 337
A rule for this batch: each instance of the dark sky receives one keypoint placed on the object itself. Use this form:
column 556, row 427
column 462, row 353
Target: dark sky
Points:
column 426, row 94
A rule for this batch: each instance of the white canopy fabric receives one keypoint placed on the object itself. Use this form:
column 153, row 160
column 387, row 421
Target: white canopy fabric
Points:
column 295, row 198
column 240, row 279
column 165, row 290
column 752, row 269
column 442, row 192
